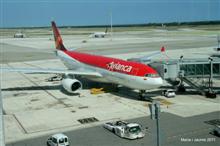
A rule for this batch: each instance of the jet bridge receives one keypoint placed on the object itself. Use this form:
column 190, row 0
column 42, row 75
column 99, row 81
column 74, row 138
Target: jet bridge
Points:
column 197, row 73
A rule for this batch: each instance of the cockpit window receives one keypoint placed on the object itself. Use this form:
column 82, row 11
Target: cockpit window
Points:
column 152, row 75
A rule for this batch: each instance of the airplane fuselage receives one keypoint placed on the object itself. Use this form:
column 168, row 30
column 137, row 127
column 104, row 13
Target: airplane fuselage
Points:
column 98, row 34
column 130, row 74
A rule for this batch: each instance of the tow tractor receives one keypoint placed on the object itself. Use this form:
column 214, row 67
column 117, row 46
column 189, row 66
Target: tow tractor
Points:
column 125, row 130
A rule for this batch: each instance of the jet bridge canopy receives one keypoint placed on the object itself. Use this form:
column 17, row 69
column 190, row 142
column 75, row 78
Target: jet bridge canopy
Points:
column 198, row 73
column 199, row 68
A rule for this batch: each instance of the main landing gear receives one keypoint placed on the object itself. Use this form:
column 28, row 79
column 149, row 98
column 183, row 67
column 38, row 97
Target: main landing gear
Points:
column 142, row 94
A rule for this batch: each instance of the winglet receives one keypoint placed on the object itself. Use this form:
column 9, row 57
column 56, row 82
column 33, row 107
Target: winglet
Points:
column 57, row 37
column 162, row 49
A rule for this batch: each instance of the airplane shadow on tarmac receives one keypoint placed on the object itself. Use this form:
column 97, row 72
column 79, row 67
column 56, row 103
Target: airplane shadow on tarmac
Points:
column 113, row 89
column 121, row 91
column 47, row 87
column 37, row 88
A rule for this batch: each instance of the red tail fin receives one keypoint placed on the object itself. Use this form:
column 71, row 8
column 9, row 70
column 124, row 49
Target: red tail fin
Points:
column 57, row 38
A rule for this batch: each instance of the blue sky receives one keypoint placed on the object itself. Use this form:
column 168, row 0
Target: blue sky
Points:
column 22, row 13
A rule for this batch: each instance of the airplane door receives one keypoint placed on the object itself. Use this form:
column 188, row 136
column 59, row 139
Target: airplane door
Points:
column 134, row 71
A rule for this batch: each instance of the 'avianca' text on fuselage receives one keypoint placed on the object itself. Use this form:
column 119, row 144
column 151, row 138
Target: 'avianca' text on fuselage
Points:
column 119, row 67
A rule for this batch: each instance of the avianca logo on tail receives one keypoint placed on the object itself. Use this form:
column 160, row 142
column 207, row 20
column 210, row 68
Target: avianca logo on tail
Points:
column 119, row 67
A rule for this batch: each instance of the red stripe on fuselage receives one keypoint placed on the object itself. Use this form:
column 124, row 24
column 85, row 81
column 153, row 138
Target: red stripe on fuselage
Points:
column 112, row 64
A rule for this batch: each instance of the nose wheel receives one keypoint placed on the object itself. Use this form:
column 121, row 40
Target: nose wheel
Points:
column 142, row 94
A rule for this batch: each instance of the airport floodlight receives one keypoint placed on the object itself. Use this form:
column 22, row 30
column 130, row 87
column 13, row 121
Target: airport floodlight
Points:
column 218, row 39
column 152, row 111
column 155, row 114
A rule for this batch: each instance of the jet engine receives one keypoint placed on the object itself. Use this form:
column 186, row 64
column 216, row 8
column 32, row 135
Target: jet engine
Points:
column 71, row 85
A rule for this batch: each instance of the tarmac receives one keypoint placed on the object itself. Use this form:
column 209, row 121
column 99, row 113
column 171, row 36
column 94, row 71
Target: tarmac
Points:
column 35, row 108
column 197, row 134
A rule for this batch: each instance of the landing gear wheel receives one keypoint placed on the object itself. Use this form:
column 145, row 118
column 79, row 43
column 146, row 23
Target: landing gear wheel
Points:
column 181, row 88
column 142, row 94
column 115, row 88
column 210, row 95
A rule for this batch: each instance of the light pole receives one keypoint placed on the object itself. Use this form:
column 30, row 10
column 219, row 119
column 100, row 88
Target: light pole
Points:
column 2, row 134
column 111, row 24
column 218, row 39
column 210, row 93
column 155, row 115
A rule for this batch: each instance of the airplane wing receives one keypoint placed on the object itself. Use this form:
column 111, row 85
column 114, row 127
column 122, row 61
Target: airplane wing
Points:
column 49, row 71
column 148, row 58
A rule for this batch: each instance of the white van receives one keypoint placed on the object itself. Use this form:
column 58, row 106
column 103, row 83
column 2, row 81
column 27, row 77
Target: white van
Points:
column 169, row 93
column 58, row 140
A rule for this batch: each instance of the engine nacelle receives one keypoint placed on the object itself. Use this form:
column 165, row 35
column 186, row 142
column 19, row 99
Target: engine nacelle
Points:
column 71, row 85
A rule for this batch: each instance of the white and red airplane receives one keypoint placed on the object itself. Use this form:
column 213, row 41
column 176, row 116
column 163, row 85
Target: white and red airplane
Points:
column 98, row 68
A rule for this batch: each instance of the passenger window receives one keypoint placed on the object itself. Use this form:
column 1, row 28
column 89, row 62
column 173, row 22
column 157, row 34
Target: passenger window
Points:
column 65, row 139
column 152, row 75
